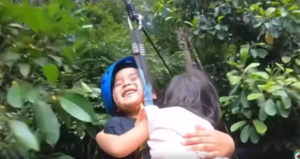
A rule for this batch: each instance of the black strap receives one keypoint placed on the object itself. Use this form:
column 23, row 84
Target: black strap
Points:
column 157, row 52
column 139, row 53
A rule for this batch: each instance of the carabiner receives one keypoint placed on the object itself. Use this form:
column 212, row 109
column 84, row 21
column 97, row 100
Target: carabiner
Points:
column 140, row 18
column 129, row 23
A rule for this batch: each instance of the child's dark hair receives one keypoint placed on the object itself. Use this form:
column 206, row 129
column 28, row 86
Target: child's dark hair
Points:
column 194, row 91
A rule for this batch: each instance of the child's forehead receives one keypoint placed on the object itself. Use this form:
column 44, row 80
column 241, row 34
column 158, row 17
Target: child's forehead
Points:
column 126, row 72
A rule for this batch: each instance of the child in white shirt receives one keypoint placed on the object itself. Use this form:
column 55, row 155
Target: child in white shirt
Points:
column 190, row 100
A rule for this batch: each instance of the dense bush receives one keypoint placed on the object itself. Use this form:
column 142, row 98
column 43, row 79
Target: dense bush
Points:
column 250, row 49
column 51, row 59
column 53, row 54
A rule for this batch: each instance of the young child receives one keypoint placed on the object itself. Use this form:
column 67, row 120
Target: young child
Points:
column 124, row 92
column 190, row 100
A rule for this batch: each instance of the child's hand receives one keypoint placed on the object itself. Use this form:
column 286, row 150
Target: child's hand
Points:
column 214, row 142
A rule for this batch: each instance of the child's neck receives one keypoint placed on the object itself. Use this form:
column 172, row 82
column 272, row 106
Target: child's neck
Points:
column 135, row 114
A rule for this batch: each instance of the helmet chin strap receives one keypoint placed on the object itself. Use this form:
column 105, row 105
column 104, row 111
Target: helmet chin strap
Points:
column 141, row 116
column 140, row 110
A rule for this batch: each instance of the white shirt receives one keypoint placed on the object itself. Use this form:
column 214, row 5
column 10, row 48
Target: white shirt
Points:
column 166, row 128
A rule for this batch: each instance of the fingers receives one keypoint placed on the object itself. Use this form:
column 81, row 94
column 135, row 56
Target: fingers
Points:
column 200, row 133
column 199, row 140
column 202, row 147
column 211, row 155
column 198, row 128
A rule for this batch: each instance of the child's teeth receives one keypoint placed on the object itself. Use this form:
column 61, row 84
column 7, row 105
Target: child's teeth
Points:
column 129, row 93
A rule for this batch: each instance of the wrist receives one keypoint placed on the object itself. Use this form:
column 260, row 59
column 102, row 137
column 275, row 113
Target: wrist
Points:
column 231, row 146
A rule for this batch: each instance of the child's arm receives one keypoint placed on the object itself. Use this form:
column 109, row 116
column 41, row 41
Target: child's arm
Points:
column 125, row 144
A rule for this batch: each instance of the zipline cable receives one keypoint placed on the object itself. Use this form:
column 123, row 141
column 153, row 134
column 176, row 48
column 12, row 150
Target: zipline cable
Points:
column 133, row 15
column 157, row 52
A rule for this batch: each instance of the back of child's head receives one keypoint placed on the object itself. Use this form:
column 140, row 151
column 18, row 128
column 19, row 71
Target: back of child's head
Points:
column 194, row 91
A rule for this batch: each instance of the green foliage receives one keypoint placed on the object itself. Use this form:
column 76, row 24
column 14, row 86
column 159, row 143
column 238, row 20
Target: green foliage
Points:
column 259, row 95
column 53, row 54
column 51, row 60
column 251, row 50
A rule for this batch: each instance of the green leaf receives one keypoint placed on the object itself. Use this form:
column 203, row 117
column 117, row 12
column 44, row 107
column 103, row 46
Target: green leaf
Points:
column 279, row 66
column 86, row 87
column 247, row 113
column 282, row 94
column 261, row 74
column 244, row 100
column 287, row 102
column 234, row 89
column 262, row 53
column 293, row 94
column 235, row 3
column 270, row 11
column 62, row 157
column 286, row 59
column 262, row 115
column 221, row 34
column 220, row 18
column 297, row 62
column 57, row 59
column 244, row 52
column 51, row 72
column 233, row 79
column 226, row 99
column 273, row 88
column 32, row 96
column 288, row 70
column 195, row 21
column 237, row 125
column 296, row 85
column 16, row 95
column 270, row 107
column 53, row 9
column 253, row 135
column 188, row 23
column 78, row 107
column 261, row 101
column 252, row 65
column 244, row 136
column 235, row 110
column 23, row 135
column 283, row 12
column 256, row 24
column 47, row 122
column 9, row 56
column 254, row 96
column 260, row 127
column 24, row 69
column 42, row 61
column 286, row 1
column 274, row 31
column 282, row 111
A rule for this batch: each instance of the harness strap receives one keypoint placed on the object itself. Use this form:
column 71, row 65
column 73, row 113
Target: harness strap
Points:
column 140, row 59
column 139, row 53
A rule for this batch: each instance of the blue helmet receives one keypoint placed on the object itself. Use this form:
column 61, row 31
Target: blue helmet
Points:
column 107, row 81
